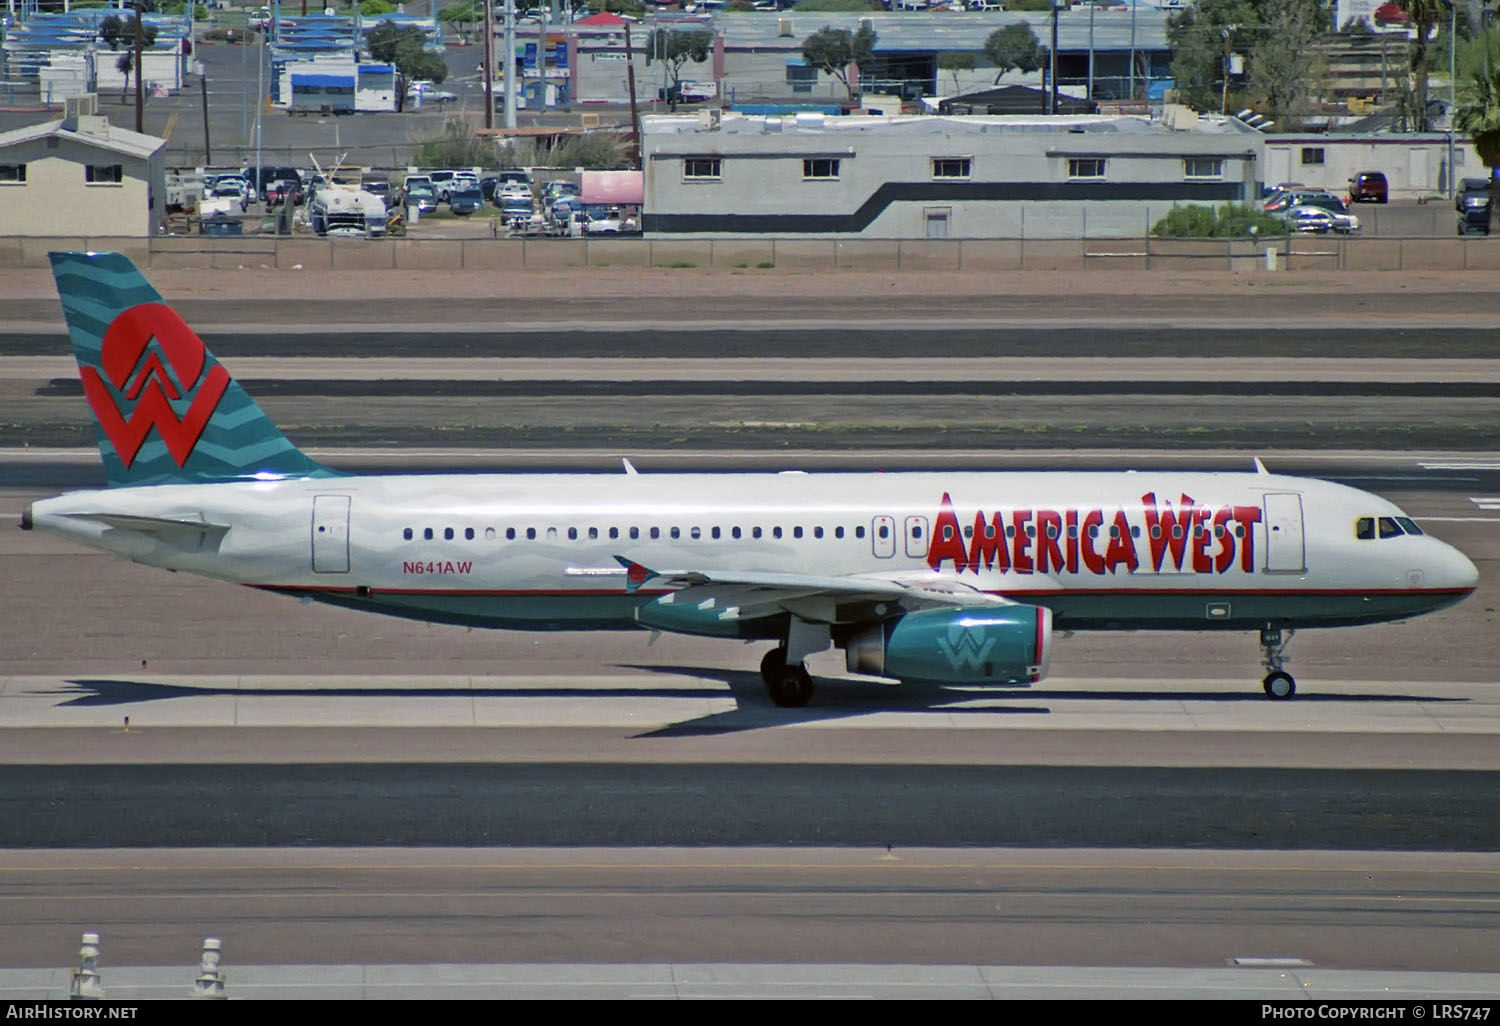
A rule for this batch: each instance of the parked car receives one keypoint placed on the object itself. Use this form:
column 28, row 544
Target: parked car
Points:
column 442, row 184
column 1369, row 187
column 1283, row 201
column 1468, row 187
column 1474, row 202
column 423, row 91
column 422, row 196
column 231, row 188
column 1312, row 221
column 285, row 190
column 465, row 200
column 379, row 185
column 1345, row 221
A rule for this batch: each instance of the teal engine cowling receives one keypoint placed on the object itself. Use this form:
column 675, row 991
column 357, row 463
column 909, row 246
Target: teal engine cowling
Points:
column 981, row 645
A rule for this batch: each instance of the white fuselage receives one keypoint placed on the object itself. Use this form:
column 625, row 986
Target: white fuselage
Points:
column 1102, row 550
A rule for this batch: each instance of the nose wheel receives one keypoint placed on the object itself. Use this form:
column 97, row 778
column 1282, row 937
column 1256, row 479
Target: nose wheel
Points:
column 789, row 686
column 1279, row 684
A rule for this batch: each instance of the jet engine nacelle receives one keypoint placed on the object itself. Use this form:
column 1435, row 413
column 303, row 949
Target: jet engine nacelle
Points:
column 982, row 645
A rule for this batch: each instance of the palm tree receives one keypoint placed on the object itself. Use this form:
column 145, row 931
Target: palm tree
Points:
column 1480, row 119
column 1423, row 15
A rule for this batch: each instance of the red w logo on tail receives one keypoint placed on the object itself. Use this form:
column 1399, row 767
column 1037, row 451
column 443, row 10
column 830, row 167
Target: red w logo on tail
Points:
column 149, row 385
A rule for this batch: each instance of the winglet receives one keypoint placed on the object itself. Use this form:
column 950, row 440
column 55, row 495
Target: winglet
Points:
column 630, row 470
column 635, row 574
column 1260, row 468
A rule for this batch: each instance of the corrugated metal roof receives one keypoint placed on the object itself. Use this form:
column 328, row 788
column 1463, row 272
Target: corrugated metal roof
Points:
column 119, row 140
column 928, row 30
column 322, row 81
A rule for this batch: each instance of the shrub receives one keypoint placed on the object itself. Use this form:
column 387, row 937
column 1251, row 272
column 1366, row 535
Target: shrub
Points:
column 1231, row 221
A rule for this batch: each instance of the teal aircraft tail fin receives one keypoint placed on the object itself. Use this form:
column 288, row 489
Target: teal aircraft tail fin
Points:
column 166, row 411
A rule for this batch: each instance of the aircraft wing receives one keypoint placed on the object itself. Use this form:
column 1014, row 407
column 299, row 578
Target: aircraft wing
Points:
column 810, row 597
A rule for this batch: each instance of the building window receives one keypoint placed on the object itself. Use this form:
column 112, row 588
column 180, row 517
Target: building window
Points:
column 12, row 172
column 1085, row 167
column 104, row 174
column 700, row 169
column 820, row 168
column 1312, row 155
column 1203, row 167
column 802, row 79
column 951, row 167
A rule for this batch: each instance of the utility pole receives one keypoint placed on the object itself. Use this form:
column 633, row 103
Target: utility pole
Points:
column 635, row 117
column 208, row 153
column 489, row 65
column 1453, row 84
column 1052, row 57
column 1091, row 53
column 509, row 57
column 140, row 93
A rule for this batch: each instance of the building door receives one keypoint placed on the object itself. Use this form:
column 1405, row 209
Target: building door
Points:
column 330, row 534
column 1284, row 544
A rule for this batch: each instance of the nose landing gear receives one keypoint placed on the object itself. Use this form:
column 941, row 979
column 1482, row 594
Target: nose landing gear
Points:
column 1279, row 684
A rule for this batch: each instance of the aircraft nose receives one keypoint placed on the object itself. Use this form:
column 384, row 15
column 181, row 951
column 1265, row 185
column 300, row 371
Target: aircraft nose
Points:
column 1459, row 571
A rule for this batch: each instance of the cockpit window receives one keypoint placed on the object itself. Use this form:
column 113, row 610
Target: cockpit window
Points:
column 1409, row 525
column 1389, row 528
column 1364, row 528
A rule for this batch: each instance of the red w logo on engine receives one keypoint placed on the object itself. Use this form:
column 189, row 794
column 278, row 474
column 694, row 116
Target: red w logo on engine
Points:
column 138, row 376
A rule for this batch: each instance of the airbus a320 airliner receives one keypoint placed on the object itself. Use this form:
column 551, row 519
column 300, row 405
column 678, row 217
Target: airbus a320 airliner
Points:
column 940, row 577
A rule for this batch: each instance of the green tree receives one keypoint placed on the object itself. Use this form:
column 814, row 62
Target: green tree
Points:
column 675, row 48
column 838, row 5
column 405, row 46
column 832, row 51
column 375, row 8
column 1286, row 65
column 1197, row 37
column 627, row 8
column 117, row 31
column 1014, row 46
column 1423, row 16
column 953, row 62
column 1480, row 119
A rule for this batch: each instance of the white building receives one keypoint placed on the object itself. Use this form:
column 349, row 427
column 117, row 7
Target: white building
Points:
column 81, row 176
column 1415, row 165
column 895, row 177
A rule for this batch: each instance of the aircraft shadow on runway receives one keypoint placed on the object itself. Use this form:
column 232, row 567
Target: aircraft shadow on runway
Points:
column 835, row 699
column 838, row 698
column 95, row 691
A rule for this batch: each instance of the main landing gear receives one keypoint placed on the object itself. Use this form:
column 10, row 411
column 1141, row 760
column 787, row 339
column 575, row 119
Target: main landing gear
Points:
column 788, row 686
column 1279, row 684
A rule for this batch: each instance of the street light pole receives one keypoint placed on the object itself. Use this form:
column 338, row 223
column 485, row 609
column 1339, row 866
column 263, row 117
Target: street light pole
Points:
column 1052, row 56
column 1452, row 85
